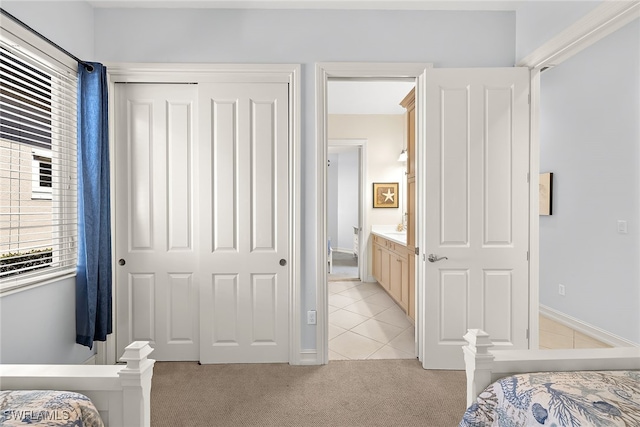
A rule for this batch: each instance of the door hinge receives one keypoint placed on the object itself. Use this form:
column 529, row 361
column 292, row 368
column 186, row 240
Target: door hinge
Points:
column 528, row 177
column 527, row 333
column 529, row 99
column 417, row 250
column 527, row 255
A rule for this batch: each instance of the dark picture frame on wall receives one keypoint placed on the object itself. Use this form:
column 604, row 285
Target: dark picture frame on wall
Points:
column 385, row 195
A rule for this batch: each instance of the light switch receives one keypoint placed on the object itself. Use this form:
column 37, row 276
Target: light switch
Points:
column 622, row 226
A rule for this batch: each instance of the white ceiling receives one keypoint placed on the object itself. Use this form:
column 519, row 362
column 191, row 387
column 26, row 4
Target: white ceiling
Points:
column 315, row 4
column 367, row 97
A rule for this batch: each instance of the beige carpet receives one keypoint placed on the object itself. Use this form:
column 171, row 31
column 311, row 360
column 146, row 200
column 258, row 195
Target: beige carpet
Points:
column 342, row 393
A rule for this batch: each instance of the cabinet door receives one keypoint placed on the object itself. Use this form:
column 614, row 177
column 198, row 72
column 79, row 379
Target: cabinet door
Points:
column 385, row 258
column 395, row 278
column 404, row 283
column 377, row 261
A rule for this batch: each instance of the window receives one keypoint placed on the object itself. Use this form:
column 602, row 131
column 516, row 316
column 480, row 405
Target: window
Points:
column 42, row 178
column 38, row 209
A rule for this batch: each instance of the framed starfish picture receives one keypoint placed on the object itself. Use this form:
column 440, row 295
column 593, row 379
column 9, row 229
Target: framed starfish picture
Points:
column 385, row 194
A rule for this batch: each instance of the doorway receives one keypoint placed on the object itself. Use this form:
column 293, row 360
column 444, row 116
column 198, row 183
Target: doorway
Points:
column 431, row 344
column 367, row 133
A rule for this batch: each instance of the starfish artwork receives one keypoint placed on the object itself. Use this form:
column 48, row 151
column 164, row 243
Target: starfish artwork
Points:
column 388, row 196
column 385, row 195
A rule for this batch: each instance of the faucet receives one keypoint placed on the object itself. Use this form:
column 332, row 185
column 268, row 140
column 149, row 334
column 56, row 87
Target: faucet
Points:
column 403, row 225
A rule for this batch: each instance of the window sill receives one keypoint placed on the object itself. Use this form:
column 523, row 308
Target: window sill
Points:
column 7, row 289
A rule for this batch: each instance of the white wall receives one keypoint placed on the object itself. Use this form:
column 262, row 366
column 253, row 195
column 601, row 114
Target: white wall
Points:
column 385, row 140
column 348, row 196
column 38, row 325
column 539, row 21
column 448, row 39
column 332, row 198
column 67, row 23
column 590, row 140
column 342, row 198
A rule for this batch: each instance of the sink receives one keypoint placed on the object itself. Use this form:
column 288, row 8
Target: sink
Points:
column 396, row 236
column 391, row 234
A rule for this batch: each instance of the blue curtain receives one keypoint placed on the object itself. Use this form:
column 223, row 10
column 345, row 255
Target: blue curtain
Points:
column 93, row 280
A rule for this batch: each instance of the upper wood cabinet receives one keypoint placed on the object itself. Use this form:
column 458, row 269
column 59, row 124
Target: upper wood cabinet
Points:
column 409, row 102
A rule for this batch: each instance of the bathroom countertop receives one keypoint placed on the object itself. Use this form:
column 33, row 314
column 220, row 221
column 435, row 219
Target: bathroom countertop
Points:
column 390, row 232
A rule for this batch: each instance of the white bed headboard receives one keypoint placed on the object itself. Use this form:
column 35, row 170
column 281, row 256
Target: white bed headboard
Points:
column 121, row 393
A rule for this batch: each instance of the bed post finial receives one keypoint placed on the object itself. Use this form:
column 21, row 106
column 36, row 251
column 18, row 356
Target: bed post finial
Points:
column 478, row 361
column 136, row 384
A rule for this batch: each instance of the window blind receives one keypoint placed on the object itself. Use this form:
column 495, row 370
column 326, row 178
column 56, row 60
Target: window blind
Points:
column 38, row 195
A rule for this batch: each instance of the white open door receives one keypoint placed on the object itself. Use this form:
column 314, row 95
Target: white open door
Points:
column 244, row 292
column 477, row 210
column 155, row 217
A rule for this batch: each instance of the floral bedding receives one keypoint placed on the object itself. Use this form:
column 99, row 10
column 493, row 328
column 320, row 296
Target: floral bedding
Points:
column 559, row 399
column 47, row 408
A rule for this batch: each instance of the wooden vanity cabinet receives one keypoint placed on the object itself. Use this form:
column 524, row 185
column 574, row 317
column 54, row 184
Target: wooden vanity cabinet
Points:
column 391, row 269
column 381, row 261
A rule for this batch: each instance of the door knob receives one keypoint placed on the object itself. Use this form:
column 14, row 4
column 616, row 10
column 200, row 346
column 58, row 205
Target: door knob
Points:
column 434, row 258
column 122, row 261
column 283, row 262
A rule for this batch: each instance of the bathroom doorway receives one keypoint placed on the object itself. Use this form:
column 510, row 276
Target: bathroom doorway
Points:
column 366, row 130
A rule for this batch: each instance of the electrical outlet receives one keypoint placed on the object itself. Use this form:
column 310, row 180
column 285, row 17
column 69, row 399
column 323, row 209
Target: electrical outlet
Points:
column 622, row 226
column 561, row 289
column 311, row 317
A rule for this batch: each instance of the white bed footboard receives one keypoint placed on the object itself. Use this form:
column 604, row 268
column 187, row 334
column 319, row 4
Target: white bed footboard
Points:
column 121, row 393
column 484, row 365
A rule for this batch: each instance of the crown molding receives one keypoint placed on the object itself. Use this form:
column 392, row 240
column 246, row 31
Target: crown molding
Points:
column 499, row 5
column 606, row 18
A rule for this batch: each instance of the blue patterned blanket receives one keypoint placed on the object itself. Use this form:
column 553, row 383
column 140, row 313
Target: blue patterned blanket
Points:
column 47, row 408
column 559, row 399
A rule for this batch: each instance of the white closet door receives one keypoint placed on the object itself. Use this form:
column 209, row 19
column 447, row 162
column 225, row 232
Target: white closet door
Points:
column 244, row 292
column 477, row 210
column 156, row 219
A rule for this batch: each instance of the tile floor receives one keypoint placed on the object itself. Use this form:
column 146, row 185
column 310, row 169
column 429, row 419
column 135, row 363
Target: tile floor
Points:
column 554, row 335
column 365, row 323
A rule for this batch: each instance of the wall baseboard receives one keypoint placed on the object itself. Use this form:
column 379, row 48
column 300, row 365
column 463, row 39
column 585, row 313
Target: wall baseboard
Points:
column 585, row 328
column 308, row 357
column 344, row 250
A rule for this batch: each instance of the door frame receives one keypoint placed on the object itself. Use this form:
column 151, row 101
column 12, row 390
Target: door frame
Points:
column 361, row 146
column 353, row 70
column 225, row 73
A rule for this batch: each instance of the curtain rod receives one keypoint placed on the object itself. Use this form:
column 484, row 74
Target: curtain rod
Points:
column 87, row 66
